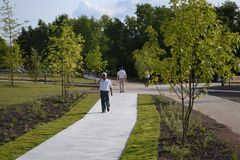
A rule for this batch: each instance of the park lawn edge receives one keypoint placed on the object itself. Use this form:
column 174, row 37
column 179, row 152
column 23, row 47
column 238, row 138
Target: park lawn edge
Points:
column 144, row 139
column 42, row 132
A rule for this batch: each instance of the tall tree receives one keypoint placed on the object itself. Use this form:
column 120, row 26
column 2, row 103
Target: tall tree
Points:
column 10, row 32
column 228, row 13
column 65, row 54
column 200, row 49
column 115, row 31
column 10, row 24
column 90, row 29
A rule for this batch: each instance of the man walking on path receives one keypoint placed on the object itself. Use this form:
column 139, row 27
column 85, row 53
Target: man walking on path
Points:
column 105, row 87
column 121, row 76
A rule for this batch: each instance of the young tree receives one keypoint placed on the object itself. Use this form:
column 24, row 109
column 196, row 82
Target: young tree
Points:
column 10, row 25
column 13, row 59
column 3, row 51
column 148, row 58
column 36, row 67
column 200, row 49
column 65, row 54
column 10, row 32
column 94, row 60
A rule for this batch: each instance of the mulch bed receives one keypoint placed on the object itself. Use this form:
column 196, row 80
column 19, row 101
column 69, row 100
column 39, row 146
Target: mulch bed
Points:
column 18, row 119
column 207, row 141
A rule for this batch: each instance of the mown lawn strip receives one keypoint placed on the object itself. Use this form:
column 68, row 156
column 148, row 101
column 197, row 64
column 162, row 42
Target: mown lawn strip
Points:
column 144, row 140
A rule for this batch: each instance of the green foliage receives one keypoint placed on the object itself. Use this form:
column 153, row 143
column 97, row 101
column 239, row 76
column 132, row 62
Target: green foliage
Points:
column 10, row 25
column 37, row 110
column 65, row 51
column 13, row 59
column 179, row 153
column 90, row 29
column 206, row 138
column 235, row 156
column 94, row 60
column 117, row 39
column 3, row 51
column 37, row 38
column 36, row 66
column 148, row 58
column 201, row 48
column 198, row 44
column 143, row 142
column 229, row 13
column 65, row 54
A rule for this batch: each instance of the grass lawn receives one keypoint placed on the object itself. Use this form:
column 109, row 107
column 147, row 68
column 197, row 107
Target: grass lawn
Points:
column 144, row 140
column 21, row 145
column 25, row 76
column 25, row 92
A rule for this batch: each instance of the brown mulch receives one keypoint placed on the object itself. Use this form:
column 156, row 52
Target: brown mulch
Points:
column 18, row 119
column 225, row 144
column 222, row 133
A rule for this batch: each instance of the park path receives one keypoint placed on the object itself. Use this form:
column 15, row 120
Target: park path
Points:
column 98, row 136
column 103, row 136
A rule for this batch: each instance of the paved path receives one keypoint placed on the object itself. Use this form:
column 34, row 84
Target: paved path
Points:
column 98, row 136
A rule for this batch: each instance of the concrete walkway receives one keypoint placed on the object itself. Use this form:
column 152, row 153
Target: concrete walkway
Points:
column 98, row 136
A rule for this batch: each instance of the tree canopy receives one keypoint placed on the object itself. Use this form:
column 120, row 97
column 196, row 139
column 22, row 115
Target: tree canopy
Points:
column 65, row 53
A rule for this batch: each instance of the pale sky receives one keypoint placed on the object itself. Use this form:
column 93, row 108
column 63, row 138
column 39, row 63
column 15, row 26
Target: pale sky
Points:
column 48, row 10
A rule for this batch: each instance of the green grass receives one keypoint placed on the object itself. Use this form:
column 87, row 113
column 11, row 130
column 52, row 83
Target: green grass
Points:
column 21, row 145
column 25, row 92
column 144, row 140
column 25, row 76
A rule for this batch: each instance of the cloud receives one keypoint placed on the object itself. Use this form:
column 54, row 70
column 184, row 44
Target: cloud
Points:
column 113, row 8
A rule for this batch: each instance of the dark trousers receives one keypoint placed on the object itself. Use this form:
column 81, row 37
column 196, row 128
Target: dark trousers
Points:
column 104, row 100
column 146, row 82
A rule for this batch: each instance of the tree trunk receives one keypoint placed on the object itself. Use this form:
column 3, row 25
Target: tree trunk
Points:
column 183, row 112
column 45, row 79
column 62, row 85
column 12, row 84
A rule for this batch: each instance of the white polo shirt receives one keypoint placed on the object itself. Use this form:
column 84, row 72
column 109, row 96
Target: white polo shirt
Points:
column 105, row 85
column 121, row 74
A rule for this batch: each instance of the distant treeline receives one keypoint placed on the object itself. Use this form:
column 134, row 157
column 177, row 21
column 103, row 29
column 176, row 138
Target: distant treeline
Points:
column 116, row 39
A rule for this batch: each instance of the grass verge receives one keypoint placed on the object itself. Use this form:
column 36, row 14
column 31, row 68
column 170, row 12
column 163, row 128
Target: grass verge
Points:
column 25, row 76
column 144, row 140
column 21, row 145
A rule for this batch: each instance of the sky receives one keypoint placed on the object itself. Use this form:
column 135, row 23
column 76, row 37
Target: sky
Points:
column 48, row 10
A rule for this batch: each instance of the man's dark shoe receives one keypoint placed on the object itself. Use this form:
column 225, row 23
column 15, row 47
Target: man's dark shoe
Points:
column 108, row 109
